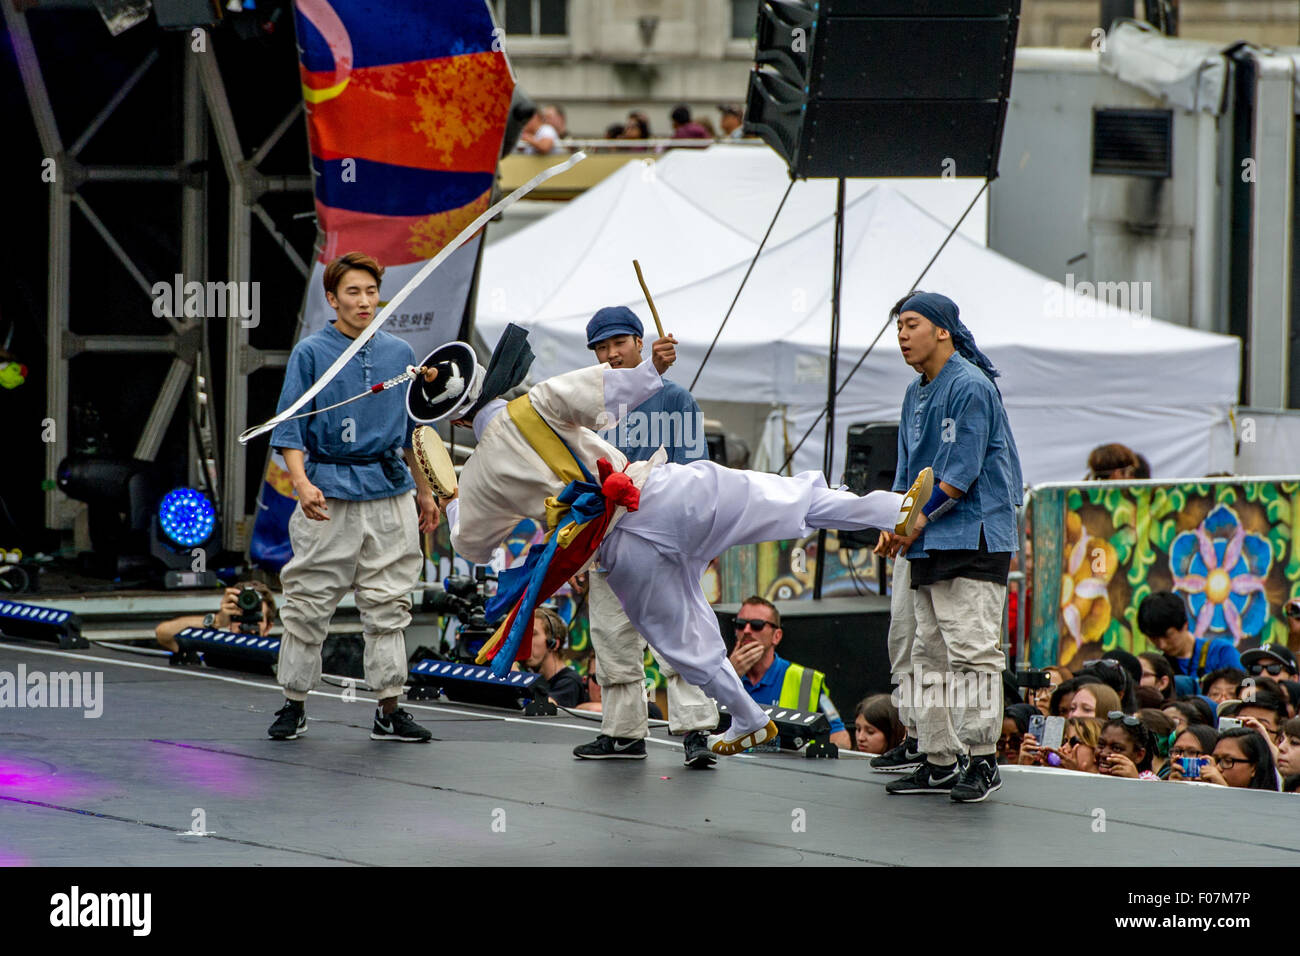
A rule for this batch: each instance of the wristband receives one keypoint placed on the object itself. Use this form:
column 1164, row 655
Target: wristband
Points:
column 938, row 505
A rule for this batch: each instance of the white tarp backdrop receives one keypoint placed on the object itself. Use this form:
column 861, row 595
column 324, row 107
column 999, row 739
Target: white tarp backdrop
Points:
column 1076, row 372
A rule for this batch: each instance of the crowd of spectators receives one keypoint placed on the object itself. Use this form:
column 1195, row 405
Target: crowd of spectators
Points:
column 1158, row 716
column 547, row 131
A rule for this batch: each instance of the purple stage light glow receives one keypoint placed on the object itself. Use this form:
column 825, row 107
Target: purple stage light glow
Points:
column 211, row 769
column 31, row 779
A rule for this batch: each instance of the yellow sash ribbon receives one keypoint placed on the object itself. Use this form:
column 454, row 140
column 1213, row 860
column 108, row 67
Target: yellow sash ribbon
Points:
column 557, row 456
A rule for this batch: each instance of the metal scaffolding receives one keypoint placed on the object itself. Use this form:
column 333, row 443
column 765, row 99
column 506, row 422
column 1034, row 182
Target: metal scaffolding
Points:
column 204, row 98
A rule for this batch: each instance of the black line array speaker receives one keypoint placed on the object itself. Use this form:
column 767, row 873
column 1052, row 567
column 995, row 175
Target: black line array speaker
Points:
column 883, row 87
column 870, row 459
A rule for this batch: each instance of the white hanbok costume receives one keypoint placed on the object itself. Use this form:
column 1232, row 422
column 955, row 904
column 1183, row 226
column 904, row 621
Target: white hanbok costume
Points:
column 656, row 555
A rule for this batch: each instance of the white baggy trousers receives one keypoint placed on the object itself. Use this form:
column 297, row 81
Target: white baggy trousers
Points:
column 620, row 668
column 690, row 514
column 958, row 627
column 372, row 547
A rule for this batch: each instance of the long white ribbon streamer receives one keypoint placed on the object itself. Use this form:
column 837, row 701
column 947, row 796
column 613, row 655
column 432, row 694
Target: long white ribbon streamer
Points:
column 406, row 290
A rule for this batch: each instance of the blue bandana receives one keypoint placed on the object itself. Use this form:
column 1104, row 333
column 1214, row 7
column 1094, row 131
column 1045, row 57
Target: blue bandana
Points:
column 942, row 311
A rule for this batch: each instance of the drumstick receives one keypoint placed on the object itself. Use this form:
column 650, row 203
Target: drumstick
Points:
column 649, row 301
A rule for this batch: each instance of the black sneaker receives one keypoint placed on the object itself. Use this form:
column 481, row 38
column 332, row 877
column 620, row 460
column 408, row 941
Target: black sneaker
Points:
column 927, row 778
column 906, row 756
column 611, row 748
column 290, row 721
column 978, row 780
column 698, row 755
column 399, row 726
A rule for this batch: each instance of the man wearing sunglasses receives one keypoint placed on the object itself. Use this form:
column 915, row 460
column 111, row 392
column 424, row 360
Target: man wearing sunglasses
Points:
column 771, row 679
column 1270, row 660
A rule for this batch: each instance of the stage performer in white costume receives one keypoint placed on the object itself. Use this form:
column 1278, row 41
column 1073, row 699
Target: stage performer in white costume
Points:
column 656, row 525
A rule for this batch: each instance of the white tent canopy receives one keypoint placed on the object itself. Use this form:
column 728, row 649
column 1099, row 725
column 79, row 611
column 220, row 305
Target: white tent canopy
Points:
column 1076, row 372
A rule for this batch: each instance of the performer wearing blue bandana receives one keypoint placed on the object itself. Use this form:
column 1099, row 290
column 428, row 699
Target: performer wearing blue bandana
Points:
column 959, row 553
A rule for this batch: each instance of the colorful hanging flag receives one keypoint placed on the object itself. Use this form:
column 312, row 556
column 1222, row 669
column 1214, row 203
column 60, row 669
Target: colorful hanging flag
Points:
column 406, row 104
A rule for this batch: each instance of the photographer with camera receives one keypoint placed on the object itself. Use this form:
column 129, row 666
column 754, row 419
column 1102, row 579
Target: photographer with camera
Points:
column 246, row 608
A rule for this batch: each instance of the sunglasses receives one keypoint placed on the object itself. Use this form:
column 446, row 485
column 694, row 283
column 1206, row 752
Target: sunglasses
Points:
column 1273, row 669
column 755, row 624
column 1128, row 719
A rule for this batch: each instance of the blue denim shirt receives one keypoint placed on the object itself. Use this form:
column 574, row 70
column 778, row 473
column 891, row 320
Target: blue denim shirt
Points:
column 957, row 425
column 374, row 424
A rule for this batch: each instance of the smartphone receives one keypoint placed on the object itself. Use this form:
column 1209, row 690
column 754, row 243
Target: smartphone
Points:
column 1228, row 723
column 1053, row 732
column 1037, row 727
column 1191, row 766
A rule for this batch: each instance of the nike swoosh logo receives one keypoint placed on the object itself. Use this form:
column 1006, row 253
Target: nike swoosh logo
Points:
column 936, row 781
column 621, row 747
column 384, row 726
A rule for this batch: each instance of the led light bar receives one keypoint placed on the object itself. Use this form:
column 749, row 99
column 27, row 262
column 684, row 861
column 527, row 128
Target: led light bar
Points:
column 41, row 623
column 230, row 649
column 470, row 684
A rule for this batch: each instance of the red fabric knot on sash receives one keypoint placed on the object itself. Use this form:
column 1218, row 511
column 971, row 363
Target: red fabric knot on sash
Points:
column 617, row 487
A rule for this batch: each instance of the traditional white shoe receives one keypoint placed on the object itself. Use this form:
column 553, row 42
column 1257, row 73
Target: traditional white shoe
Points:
column 724, row 745
column 914, row 501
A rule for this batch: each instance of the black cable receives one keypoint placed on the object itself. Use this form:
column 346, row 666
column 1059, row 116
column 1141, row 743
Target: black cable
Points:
column 752, row 263
column 863, row 358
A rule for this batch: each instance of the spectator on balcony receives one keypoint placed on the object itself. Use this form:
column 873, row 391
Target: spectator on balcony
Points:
column 637, row 126
column 553, row 116
column 731, row 119
column 684, row 127
column 539, row 137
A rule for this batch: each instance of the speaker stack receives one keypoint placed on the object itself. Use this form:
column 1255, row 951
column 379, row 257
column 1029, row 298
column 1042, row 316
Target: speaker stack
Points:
column 870, row 460
column 876, row 88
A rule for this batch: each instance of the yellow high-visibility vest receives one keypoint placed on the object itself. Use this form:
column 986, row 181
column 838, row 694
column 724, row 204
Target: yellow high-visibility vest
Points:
column 801, row 689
